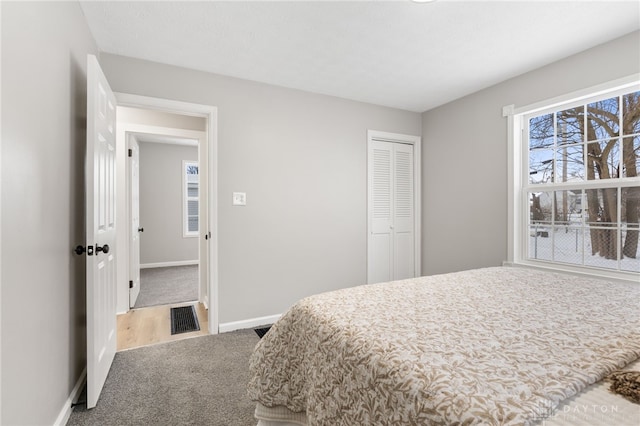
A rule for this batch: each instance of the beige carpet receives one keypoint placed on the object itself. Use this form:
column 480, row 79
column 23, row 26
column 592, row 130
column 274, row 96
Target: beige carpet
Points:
column 199, row 381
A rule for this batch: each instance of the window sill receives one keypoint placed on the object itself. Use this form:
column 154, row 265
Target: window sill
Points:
column 625, row 277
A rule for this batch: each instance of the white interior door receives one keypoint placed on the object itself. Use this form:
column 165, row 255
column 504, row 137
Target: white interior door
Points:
column 134, row 214
column 391, row 210
column 100, row 183
column 203, row 220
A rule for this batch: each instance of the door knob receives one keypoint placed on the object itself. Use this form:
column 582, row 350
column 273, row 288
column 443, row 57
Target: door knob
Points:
column 104, row 248
column 79, row 250
column 140, row 229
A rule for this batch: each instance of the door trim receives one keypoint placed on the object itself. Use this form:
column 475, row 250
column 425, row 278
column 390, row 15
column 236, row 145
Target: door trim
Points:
column 129, row 139
column 211, row 114
column 416, row 141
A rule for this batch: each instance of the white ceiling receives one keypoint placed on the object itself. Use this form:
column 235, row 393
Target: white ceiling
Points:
column 398, row 53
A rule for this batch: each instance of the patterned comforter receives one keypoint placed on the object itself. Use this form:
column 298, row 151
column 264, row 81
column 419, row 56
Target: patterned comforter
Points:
column 490, row 346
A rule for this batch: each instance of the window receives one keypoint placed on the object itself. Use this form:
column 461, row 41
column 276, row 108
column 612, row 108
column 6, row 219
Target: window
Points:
column 190, row 198
column 579, row 190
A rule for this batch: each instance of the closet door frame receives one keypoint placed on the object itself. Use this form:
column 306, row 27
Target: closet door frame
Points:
column 416, row 142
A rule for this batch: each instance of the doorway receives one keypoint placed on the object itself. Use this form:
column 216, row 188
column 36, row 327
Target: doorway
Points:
column 184, row 134
column 164, row 219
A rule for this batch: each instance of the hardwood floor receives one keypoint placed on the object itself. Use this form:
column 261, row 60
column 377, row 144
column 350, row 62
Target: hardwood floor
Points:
column 148, row 326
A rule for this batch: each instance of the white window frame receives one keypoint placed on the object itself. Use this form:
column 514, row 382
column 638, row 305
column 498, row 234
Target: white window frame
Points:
column 186, row 233
column 518, row 204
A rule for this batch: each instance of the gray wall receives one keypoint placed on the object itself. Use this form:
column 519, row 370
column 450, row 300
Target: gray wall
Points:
column 161, row 203
column 301, row 159
column 44, row 48
column 464, row 156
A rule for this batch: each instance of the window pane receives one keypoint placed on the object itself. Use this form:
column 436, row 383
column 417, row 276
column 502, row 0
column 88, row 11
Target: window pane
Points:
column 628, row 263
column 603, row 159
column 631, row 153
column 576, row 209
column 540, row 216
column 631, row 113
column 603, row 119
column 570, row 163
column 563, row 201
column 540, row 207
column 540, row 166
column 541, row 131
column 191, row 169
column 192, row 208
column 193, row 224
column 567, row 230
column 602, row 208
column 630, row 255
column 570, row 126
column 631, row 206
column 192, row 190
column 540, row 242
column 630, row 222
column 568, row 244
column 600, row 247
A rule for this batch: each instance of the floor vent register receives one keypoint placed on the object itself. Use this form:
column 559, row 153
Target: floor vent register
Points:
column 184, row 320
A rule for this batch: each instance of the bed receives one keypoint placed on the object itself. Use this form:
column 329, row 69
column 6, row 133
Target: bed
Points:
column 501, row 345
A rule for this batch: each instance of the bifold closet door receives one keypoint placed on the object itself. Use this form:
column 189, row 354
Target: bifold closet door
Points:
column 391, row 242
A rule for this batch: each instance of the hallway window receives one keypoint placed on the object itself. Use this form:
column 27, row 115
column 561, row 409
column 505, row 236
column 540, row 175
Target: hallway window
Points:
column 190, row 198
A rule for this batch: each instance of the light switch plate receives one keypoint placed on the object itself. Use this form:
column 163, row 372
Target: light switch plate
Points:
column 239, row 198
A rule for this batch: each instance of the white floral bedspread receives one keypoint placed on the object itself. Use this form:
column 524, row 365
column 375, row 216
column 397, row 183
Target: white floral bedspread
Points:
column 489, row 346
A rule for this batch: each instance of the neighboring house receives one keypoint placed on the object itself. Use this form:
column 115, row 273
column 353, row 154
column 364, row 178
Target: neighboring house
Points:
column 299, row 156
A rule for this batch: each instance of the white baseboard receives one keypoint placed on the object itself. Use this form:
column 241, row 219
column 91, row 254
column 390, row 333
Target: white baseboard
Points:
column 65, row 413
column 167, row 264
column 248, row 323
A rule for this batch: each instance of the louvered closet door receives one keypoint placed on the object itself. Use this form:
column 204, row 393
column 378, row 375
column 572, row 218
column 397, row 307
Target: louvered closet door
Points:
column 380, row 244
column 403, row 232
column 391, row 212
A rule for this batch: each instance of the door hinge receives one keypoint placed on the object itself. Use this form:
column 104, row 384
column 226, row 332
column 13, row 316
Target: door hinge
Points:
column 130, row 152
column 130, row 284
